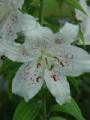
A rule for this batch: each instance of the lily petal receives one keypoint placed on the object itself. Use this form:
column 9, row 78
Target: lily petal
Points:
column 10, row 19
column 80, row 15
column 28, row 23
column 10, row 26
column 85, row 24
column 85, row 27
column 15, row 51
column 58, row 86
column 28, row 81
column 73, row 60
column 39, row 38
column 67, row 34
column 18, row 3
column 4, row 8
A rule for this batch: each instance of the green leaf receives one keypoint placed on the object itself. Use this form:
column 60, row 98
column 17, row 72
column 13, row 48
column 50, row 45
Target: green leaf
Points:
column 81, row 37
column 69, row 108
column 57, row 118
column 75, row 83
column 27, row 111
column 8, row 70
column 76, row 5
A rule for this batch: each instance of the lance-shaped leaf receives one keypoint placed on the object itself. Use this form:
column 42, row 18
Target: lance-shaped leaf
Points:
column 57, row 118
column 76, row 5
column 26, row 111
column 69, row 108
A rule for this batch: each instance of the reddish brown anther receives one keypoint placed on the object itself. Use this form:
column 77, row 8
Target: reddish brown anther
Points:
column 54, row 77
column 62, row 64
column 38, row 65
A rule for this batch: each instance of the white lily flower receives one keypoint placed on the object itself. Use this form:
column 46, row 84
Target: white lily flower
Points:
column 16, row 51
column 13, row 22
column 54, row 60
column 9, row 18
column 85, row 24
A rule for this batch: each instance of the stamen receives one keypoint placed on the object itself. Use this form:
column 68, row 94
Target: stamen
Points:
column 55, row 78
column 57, row 59
column 46, row 60
column 51, row 67
column 38, row 65
column 62, row 64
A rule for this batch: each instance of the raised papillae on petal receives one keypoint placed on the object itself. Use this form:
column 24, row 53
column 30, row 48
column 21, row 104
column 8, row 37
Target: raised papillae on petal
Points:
column 72, row 60
column 67, row 34
column 28, row 80
column 58, row 85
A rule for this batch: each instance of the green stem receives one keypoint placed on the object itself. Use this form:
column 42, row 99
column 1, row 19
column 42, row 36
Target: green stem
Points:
column 41, row 11
column 44, row 106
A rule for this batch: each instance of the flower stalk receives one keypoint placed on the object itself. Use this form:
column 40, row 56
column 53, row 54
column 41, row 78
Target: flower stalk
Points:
column 41, row 12
column 44, row 105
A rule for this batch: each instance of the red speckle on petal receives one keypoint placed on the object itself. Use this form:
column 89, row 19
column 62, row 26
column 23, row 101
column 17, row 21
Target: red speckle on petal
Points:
column 24, row 52
column 38, row 78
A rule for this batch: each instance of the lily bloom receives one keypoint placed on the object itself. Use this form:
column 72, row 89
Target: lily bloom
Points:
column 17, row 51
column 52, row 60
column 85, row 21
column 9, row 18
column 13, row 21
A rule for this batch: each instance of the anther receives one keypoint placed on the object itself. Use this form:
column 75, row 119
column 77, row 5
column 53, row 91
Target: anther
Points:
column 54, row 77
column 38, row 65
